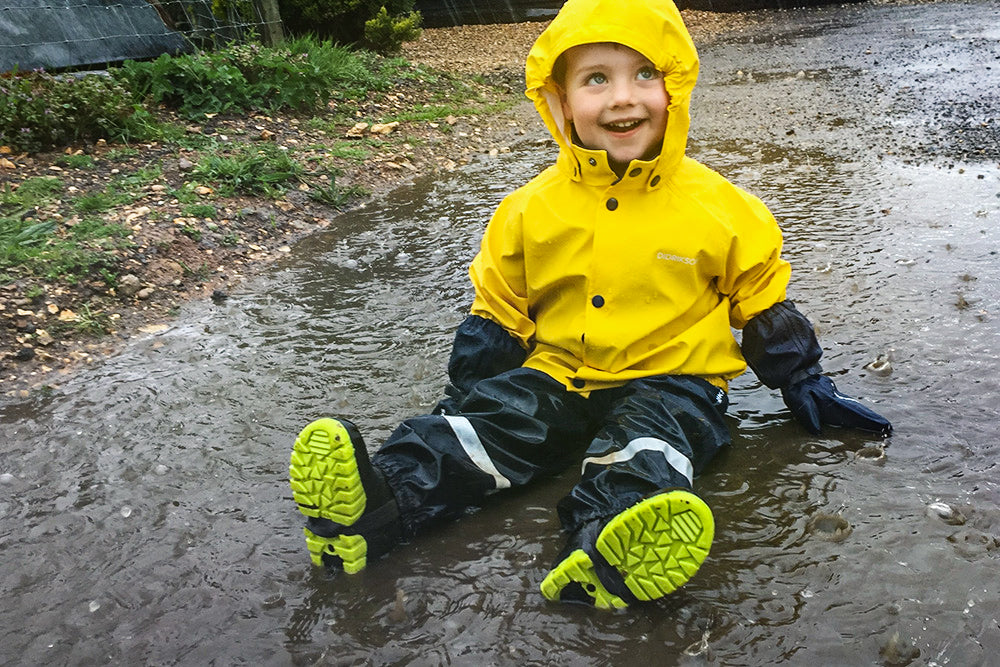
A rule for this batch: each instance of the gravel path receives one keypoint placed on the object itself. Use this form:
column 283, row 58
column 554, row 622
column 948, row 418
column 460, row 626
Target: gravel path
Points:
column 485, row 49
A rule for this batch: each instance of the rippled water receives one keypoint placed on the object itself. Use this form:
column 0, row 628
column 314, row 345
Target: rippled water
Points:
column 144, row 511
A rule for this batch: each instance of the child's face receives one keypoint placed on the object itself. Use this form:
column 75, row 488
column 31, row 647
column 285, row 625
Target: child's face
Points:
column 616, row 100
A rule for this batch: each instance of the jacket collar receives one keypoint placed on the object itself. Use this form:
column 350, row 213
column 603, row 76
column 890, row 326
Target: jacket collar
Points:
column 591, row 168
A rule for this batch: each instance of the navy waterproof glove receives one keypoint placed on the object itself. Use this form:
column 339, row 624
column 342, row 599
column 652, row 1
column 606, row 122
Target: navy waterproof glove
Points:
column 815, row 401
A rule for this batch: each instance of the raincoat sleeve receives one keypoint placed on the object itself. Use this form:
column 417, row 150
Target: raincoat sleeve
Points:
column 754, row 276
column 498, row 274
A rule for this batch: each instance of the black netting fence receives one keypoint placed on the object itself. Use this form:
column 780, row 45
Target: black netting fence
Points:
column 54, row 34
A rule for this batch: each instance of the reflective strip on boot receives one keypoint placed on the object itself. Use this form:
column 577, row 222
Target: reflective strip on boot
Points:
column 473, row 446
column 674, row 458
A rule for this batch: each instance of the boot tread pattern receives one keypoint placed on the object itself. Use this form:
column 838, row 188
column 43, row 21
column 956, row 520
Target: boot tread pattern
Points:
column 324, row 474
column 326, row 484
column 659, row 544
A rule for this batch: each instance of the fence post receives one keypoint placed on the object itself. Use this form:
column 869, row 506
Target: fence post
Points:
column 272, row 34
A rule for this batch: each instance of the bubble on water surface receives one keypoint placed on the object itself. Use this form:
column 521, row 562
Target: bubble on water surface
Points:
column 126, row 512
column 832, row 527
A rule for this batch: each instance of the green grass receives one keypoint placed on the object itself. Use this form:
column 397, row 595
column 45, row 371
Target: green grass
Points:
column 199, row 211
column 80, row 161
column 265, row 169
column 36, row 246
column 442, row 111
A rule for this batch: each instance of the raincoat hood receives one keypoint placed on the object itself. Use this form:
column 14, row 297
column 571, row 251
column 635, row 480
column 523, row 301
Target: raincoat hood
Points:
column 653, row 28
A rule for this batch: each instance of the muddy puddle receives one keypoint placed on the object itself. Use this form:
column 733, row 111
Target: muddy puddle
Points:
column 144, row 511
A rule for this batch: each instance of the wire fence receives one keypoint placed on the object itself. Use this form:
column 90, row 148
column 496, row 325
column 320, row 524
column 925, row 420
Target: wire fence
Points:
column 54, row 34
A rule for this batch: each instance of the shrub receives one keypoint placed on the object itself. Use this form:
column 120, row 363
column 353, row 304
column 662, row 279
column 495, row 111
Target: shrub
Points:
column 301, row 74
column 385, row 34
column 39, row 111
column 342, row 21
column 193, row 84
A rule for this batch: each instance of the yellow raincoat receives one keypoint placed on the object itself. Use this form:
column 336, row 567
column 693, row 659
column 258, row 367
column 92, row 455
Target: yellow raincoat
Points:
column 604, row 280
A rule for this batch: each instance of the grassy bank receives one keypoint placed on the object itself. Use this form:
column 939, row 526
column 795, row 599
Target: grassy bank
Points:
column 207, row 165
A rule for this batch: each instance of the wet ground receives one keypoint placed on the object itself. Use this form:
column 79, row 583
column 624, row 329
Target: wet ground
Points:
column 144, row 511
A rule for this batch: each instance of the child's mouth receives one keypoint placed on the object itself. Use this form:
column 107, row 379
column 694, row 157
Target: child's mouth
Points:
column 623, row 126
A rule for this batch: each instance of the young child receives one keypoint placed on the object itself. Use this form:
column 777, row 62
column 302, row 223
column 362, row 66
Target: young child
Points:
column 600, row 330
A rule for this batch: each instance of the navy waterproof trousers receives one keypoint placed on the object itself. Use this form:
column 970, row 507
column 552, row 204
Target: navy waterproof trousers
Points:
column 521, row 425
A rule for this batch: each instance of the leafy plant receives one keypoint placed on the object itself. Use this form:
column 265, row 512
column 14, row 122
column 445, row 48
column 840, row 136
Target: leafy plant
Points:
column 75, row 161
column 341, row 21
column 250, row 170
column 385, row 34
column 39, row 110
column 31, row 245
column 199, row 211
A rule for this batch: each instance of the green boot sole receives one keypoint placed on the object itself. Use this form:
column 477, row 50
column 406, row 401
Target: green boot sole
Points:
column 326, row 484
column 656, row 546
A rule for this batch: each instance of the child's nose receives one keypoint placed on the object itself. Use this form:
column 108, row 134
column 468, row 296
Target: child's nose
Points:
column 622, row 93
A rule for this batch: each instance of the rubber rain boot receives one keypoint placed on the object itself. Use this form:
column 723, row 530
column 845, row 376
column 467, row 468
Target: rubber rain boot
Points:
column 645, row 552
column 351, row 514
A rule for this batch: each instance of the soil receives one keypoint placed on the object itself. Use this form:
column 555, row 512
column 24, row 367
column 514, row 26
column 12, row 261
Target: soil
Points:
column 173, row 258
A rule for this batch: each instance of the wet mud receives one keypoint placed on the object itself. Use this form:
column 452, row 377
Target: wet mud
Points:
column 145, row 516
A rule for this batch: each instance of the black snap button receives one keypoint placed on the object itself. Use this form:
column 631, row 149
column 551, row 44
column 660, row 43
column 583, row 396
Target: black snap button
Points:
column 598, row 301
column 612, row 204
column 578, row 383
column 656, row 179
column 635, row 172
column 593, row 162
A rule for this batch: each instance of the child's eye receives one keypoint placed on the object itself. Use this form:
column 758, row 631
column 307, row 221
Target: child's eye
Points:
column 596, row 79
column 647, row 74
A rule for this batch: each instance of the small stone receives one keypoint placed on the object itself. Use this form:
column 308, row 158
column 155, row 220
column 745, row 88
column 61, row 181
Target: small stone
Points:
column 145, row 293
column 43, row 338
column 384, row 128
column 25, row 354
column 185, row 164
column 128, row 285
column 358, row 130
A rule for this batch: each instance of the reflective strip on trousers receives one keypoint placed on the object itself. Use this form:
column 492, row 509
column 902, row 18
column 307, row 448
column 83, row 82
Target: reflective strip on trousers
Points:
column 677, row 461
column 473, row 446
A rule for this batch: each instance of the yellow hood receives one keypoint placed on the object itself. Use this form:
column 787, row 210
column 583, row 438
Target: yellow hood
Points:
column 654, row 28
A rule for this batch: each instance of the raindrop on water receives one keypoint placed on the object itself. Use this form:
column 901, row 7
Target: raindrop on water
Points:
column 6, row 478
column 94, row 606
column 126, row 512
